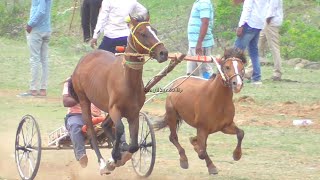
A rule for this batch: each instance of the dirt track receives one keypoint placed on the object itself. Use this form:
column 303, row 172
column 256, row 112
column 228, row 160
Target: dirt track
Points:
column 61, row 164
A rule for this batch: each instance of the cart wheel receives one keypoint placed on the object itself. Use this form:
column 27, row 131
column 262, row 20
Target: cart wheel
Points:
column 143, row 160
column 28, row 148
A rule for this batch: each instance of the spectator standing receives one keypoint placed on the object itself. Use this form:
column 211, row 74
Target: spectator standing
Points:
column 89, row 14
column 200, row 37
column 112, row 21
column 270, row 36
column 251, row 22
column 38, row 35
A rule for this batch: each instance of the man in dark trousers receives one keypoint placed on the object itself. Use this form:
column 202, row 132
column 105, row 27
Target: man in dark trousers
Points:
column 89, row 15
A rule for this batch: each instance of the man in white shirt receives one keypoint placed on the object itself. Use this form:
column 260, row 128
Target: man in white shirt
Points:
column 250, row 24
column 112, row 20
column 270, row 35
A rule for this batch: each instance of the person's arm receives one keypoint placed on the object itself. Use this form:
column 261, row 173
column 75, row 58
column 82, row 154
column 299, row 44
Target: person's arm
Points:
column 101, row 22
column 35, row 18
column 203, row 31
column 273, row 5
column 68, row 101
column 205, row 13
column 246, row 11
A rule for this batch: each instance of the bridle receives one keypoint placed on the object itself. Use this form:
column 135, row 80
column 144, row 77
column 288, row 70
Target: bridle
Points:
column 225, row 78
column 138, row 65
column 136, row 40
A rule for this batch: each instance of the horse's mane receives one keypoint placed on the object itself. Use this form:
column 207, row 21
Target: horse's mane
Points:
column 235, row 52
column 232, row 52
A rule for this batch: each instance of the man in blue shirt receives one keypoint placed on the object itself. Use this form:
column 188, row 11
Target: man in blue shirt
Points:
column 38, row 34
column 200, row 36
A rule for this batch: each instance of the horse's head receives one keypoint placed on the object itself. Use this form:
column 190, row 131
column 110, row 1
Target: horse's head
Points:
column 232, row 67
column 143, row 39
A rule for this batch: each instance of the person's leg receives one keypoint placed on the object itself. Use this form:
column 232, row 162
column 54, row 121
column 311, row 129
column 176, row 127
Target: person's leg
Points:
column 74, row 125
column 85, row 20
column 191, row 66
column 121, row 41
column 262, row 45
column 254, row 55
column 44, row 63
column 206, row 68
column 274, row 44
column 106, row 44
column 94, row 12
column 243, row 42
column 35, row 43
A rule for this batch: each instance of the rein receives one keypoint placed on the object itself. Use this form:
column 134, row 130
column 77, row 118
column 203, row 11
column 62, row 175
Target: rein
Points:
column 132, row 64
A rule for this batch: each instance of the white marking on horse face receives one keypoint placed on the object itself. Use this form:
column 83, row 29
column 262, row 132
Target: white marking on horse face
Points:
column 153, row 33
column 235, row 66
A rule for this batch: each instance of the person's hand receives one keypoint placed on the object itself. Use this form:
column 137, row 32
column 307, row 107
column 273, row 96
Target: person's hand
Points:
column 269, row 20
column 199, row 49
column 93, row 43
column 28, row 28
column 239, row 31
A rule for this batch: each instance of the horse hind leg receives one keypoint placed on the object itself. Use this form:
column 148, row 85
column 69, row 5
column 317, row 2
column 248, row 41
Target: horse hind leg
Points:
column 172, row 119
column 233, row 129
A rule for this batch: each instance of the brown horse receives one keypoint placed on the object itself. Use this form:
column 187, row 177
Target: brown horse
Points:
column 207, row 106
column 114, row 84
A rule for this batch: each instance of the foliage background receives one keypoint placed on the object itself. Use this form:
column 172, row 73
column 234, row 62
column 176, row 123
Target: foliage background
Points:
column 300, row 32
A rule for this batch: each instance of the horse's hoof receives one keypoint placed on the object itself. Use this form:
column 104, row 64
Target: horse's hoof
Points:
column 104, row 167
column 237, row 155
column 213, row 171
column 111, row 165
column 184, row 164
column 116, row 155
column 133, row 149
column 126, row 156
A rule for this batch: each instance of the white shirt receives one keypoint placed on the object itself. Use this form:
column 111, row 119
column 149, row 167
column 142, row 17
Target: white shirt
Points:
column 275, row 11
column 112, row 16
column 254, row 13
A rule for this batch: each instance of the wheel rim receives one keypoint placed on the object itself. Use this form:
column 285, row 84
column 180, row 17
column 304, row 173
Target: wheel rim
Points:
column 28, row 147
column 143, row 160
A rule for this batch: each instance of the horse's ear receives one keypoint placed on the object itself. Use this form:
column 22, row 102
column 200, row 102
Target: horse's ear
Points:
column 133, row 20
column 148, row 16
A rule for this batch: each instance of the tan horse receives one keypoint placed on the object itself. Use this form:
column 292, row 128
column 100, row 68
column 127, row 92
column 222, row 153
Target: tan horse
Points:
column 114, row 84
column 207, row 106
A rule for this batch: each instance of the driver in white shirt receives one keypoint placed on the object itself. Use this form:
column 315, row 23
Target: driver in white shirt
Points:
column 112, row 21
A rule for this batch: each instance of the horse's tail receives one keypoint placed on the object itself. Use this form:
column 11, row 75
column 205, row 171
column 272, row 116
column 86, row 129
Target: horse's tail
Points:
column 163, row 122
column 71, row 90
column 160, row 123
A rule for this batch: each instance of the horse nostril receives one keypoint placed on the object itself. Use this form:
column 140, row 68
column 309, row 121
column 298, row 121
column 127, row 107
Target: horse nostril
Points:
column 234, row 83
column 164, row 54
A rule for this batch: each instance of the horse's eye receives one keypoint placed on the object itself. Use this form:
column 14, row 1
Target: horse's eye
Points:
column 143, row 34
column 227, row 68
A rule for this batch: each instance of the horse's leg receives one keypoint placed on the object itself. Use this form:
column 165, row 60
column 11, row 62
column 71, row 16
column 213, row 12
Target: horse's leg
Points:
column 134, row 130
column 171, row 119
column 211, row 167
column 233, row 129
column 107, row 128
column 86, row 114
column 119, row 129
column 133, row 147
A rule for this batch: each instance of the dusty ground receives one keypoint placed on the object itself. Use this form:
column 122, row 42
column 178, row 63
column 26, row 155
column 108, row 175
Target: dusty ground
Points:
column 61, row 164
